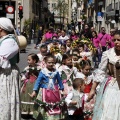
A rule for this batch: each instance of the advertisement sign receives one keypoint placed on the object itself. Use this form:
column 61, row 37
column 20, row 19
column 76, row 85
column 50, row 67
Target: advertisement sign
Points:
column 100, row 16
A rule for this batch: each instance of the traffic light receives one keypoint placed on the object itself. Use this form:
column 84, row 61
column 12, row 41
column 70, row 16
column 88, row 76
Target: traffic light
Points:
column 20, row 12
column 117, row 16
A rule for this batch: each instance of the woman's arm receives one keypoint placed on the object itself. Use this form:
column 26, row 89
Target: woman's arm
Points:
column 99, row 75
column 93, row 90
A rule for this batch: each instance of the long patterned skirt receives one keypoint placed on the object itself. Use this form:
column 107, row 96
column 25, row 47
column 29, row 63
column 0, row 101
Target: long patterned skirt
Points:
column 9, row 94
column 107, row 106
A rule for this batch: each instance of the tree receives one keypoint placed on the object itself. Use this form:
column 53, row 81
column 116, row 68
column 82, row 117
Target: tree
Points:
column 62, row 8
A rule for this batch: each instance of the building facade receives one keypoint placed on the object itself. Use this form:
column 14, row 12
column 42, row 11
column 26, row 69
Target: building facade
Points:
column 112, row 8
column 33, row 12
column 60, row 9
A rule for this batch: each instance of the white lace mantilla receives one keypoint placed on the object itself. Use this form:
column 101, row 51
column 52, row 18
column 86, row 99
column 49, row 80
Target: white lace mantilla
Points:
column 50, row 76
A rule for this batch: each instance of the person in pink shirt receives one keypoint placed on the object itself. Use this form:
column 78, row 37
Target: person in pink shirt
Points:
column 97, row 45
column 95, row 40
column 111, row 36
column 49, row 34
column 104, row 39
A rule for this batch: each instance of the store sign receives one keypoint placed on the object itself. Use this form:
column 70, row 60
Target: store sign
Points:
column 10, row 16
column 100, row 16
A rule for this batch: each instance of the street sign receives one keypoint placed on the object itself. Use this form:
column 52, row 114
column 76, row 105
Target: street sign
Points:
column 10, row 9
column 99, row 16
column 11, row 16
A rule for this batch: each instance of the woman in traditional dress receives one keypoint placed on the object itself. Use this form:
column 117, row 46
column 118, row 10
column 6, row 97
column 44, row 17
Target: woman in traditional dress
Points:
column 107, row 105
column 9, row 73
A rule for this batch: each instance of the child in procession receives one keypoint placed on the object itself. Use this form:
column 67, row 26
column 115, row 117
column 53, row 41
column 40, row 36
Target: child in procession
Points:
column 75, row 100
column 46, row 89
column 29, row 75
column 67, row 72
column 88, row 78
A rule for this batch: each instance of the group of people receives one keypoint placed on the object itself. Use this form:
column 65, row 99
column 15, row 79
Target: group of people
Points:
column 62, row 80
column 58, row 72
column 66, row 64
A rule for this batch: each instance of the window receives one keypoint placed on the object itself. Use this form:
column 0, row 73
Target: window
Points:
column 53, row 5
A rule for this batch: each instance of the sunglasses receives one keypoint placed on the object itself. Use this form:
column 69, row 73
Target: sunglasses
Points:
column 116, row 40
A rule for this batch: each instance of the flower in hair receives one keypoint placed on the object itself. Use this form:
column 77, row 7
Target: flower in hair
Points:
column 85, row 58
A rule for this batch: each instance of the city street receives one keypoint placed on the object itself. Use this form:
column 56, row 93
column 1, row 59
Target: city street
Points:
column 74, row 73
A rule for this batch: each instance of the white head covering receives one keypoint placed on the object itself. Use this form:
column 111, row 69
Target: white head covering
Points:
column 6, row 24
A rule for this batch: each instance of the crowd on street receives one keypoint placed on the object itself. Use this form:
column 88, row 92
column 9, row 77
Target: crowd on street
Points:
column 74, row 76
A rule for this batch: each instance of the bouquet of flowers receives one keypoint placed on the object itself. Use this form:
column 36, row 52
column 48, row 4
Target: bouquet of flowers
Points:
column 89, row 44
column 75, row 43
column 54, row 50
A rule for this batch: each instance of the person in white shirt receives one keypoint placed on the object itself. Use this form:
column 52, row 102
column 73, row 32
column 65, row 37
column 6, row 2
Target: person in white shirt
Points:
column 63, row 36
column 75, row 100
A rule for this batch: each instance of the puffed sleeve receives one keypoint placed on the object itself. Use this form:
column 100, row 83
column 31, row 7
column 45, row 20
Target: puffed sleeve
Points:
column 100, row 73
column 8, row 49
column 38, row 82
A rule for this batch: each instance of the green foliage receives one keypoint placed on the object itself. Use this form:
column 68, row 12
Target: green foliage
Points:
column 50, row 105
column 27, row 24
column 62, row 7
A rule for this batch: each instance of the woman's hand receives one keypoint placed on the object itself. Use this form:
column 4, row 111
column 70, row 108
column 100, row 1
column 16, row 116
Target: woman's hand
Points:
column 91, row 95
